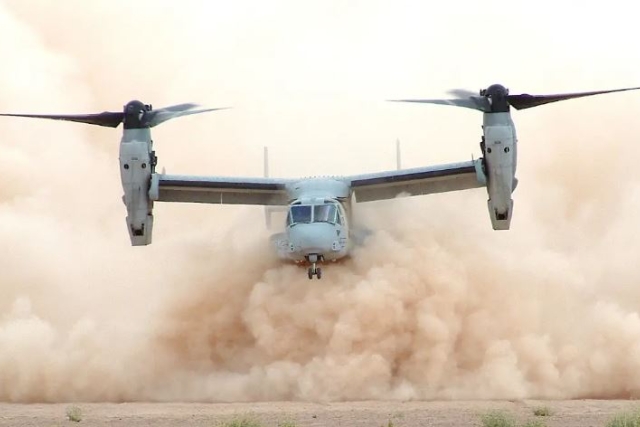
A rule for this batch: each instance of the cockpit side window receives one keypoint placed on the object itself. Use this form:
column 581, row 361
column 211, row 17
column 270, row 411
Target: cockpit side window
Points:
column 299, row 214
column 325, row 213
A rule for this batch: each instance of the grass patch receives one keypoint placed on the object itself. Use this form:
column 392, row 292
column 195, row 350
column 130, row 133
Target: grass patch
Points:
column 625, row 419
column 503, row 419
column 252, row 422
column 497, row 419
column 74, row 414
column 542, row 411
column 241, row 422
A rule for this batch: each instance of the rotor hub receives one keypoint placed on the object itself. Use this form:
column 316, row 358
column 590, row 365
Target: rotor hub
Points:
column 135, row 115
column 497, row 95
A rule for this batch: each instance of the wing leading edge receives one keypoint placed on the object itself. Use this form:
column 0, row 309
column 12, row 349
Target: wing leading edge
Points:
column 273, row 192
column 218, row 190
column 417, row 181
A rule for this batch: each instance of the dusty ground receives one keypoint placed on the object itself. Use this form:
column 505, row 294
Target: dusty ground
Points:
column 578, row 413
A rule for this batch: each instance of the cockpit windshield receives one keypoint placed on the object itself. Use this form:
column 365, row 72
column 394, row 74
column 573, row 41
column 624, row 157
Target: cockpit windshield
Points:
column 305, row 214
column 325, row 213
column 299, row 214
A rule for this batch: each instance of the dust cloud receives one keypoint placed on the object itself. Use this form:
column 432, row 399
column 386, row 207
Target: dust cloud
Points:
column 434, row 305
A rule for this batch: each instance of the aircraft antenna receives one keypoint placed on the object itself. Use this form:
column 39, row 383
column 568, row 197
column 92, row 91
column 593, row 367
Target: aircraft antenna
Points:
column 398, row 160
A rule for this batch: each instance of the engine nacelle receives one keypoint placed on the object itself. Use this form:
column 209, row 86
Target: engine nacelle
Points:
column 500, row 163
column 137, row 162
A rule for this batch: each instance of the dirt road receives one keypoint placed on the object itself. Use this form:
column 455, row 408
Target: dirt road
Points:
column 576, row 413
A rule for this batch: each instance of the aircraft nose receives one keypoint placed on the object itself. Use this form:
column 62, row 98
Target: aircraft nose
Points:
column 313, row 238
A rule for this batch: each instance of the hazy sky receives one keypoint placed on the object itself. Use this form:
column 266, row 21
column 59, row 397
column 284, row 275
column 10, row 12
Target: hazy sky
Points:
column 310, row 78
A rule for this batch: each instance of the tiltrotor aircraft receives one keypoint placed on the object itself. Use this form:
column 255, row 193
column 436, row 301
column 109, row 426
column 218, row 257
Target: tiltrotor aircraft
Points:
column 319, row 221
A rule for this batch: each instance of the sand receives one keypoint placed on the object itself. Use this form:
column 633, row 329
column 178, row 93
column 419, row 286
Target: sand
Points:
column 566, row 413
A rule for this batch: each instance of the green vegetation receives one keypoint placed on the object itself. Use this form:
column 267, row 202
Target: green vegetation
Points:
column 241, row 422
column 397, row 415
column 497, row 419
column 74, row 414
column 251, row 422
column 542, row 411
column 625, row 419
column 502, row 419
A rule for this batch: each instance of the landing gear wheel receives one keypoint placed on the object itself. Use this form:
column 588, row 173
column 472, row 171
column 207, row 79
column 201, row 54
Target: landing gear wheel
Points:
column 313, row 270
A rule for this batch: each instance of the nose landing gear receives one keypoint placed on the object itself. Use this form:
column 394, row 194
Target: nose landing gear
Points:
column 314, row 270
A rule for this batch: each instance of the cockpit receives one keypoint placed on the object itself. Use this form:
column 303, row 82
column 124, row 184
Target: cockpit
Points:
column 305, row 213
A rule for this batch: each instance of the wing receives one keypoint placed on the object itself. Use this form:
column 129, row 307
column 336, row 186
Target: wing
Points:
column 218, row 190
column 417, row 181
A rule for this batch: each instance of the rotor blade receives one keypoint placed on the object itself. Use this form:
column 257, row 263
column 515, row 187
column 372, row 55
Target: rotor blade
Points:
column 107, row 118
column 520, row 102
column 475, row 103
column 179, row 107
column 168, row 113
column 462, row 93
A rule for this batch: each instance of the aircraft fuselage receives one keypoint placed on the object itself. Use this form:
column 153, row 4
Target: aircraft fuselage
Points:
column 318, row 220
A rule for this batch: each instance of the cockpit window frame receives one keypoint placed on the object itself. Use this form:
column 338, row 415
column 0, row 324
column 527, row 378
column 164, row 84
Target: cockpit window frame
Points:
column 336, row 215
column 290, row 219
column 332, row 215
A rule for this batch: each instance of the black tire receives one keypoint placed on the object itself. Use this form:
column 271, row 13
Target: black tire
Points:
column 319, row 273
column 310, row 273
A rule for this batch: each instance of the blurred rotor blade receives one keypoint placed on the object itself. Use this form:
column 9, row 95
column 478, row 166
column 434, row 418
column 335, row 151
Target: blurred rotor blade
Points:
column 163, row 114
column 520, row 102
column 475, row 102
column 107, row 118
column 180, row 107
column 463, row 93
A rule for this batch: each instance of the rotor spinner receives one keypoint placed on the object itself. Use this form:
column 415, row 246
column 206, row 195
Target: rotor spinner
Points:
column 497, row 96
column 135, row 115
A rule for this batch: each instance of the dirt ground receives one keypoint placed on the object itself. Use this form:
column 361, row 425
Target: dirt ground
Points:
column 574, row 413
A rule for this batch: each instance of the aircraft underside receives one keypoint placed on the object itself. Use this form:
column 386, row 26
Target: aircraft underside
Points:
column 312, row 259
